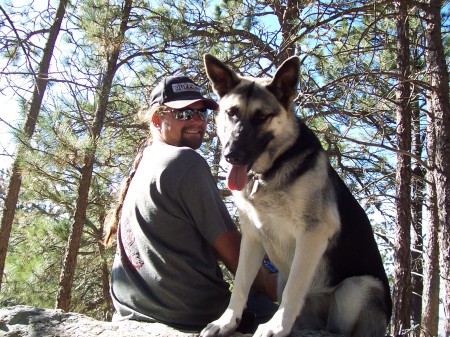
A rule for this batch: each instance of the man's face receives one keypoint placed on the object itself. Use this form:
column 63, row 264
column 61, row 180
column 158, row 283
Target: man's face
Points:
column 183, row 133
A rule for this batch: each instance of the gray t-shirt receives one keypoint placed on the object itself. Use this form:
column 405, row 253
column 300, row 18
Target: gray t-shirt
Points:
column 165, row 269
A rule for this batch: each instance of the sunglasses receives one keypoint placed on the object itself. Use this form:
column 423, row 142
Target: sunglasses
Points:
column 188, row 114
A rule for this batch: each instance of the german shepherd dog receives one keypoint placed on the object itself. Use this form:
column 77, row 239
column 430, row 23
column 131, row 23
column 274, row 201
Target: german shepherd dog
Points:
column 294, row 207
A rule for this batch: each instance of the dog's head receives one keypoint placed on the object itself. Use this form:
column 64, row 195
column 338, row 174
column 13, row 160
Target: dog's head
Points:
column 256, row 122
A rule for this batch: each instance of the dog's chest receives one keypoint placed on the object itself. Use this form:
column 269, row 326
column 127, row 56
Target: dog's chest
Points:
column 276, row 217
column 272, row 211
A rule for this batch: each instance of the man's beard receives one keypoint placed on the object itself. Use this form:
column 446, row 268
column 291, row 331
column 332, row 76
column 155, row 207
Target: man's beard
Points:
column 192, row 142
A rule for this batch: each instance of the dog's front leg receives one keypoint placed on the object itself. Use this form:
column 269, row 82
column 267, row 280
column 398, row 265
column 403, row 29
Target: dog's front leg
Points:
column 250, row 256
column 309, row 248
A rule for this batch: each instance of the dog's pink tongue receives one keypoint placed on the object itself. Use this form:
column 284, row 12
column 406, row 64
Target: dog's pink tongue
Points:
column 237, row 178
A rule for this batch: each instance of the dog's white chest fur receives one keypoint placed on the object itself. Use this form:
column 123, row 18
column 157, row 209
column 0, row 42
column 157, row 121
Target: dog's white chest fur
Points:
column 273, row 226
column 280, row 218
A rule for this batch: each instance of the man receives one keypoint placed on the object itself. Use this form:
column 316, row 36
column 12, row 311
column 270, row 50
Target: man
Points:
column 174, row 225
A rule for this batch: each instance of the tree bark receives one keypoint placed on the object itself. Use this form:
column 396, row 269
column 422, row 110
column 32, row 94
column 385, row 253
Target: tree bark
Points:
column 402, row 249
column 431, row 282
column 42, row 78
column 64, row 295
column 418, row 187
column 287, row 17
column 439, row 107
column 104, row 268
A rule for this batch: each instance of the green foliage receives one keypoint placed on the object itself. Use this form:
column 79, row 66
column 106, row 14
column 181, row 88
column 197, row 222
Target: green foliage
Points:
column 33, row 260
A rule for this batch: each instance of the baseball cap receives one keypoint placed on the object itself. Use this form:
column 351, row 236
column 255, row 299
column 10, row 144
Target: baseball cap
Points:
column 178, row 92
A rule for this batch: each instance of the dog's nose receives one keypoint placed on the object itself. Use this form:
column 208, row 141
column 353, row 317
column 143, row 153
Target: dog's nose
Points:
column 235, row 157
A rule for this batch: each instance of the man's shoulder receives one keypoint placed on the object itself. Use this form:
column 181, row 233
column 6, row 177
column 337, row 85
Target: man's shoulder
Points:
column 185, row 154
column 177, row 157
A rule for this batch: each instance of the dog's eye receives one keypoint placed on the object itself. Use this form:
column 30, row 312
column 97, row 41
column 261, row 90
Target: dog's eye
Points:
column 233, row 111
column 261, row 117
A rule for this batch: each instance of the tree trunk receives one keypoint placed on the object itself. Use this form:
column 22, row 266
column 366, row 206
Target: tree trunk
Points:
column 41, row 80
column 431, row 282
column 104, row 269
column 402, row 249
column 105, row 282
column 439, row 107
column 430, row 297
column 418, row 187
column 70, row 259
column 287, row 18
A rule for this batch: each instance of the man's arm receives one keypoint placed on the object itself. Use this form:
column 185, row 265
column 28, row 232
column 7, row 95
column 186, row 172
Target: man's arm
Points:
column 227, row 248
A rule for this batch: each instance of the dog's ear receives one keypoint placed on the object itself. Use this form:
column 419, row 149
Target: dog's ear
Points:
column 222, row 78
column 284, row 83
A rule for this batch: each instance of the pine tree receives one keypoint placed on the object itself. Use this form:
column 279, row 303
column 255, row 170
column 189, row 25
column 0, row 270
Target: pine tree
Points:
column 112, row 51
column 402, row 253
column 439, row 106
column 15, row 182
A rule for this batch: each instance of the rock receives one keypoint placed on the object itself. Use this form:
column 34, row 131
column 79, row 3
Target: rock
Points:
column 21, row 321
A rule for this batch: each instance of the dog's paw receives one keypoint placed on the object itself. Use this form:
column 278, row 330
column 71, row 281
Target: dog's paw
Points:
column 267, row 330
column 276, row 327
column 222, row 327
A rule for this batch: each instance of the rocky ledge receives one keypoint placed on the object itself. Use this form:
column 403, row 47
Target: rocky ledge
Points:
column 21, row 321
